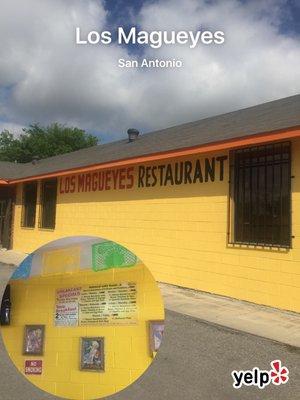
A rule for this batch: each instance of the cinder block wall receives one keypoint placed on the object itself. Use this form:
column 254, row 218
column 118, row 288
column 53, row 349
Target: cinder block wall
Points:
column 127, row 352
column 180, row 232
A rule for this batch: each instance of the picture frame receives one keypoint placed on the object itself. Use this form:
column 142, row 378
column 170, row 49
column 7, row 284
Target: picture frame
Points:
column 92, row 354
column 156, row 330
column 34, row 337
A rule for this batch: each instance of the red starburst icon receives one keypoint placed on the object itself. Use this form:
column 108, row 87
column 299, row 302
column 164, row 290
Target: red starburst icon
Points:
column 279, row 374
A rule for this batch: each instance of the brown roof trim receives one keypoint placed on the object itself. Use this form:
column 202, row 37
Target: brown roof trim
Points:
column 265, row 137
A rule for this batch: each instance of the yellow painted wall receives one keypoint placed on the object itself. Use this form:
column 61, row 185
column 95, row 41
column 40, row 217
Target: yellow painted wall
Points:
column 180, row 232
column 127, row 352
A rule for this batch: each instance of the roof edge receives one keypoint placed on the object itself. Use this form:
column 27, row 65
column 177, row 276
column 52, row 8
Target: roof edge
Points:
column 265, row 137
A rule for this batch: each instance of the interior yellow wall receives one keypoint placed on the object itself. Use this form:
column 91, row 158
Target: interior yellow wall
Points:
column 127, row 352
column 180, row 232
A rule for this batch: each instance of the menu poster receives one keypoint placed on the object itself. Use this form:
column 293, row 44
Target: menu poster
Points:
column 107, row 304
column 111, row 304
column 66, row 307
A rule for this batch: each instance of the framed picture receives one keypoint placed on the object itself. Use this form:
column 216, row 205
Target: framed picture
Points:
column 34, row 339
column 92, row 354
column 156, row 334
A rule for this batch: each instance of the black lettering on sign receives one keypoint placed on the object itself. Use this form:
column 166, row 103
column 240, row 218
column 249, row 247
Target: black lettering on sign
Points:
column 187, row 172
column 198, row 172
column 221, row 160
column 161, row 171
column 210, row 169
column 183, row 172
column 141, row 176
column 178, row 173
column 154, row 176
column 148, row 176
column 169, row 175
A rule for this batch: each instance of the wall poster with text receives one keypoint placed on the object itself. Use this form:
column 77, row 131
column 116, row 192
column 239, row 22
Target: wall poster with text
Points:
column 103, row 304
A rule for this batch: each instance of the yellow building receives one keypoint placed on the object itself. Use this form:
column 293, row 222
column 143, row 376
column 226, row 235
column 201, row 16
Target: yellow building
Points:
column 83, row 312
column 212, row 205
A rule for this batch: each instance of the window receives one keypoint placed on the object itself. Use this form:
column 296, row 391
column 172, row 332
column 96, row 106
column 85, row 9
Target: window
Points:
column 48, row 203
column 261, row 195
column 29, row 204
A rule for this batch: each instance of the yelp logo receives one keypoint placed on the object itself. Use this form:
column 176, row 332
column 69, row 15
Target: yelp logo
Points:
column 277, row 375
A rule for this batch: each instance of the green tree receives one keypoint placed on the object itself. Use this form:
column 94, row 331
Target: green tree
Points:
column 41, row 142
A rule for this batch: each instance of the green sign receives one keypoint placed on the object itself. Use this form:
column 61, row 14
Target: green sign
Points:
column 108, row 255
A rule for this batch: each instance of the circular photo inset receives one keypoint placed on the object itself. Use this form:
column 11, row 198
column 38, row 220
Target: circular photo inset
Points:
column 82, row 318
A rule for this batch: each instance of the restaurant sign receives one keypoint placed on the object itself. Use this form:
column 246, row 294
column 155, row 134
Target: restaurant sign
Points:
column 145, row 176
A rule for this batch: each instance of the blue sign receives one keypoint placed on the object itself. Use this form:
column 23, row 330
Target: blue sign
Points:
column 24, row 269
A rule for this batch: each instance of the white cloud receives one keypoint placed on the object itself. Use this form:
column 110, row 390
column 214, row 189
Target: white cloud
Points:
column 52, row 79
column 15, row 129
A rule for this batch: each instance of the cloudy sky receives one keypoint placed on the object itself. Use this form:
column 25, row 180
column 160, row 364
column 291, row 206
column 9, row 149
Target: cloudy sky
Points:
column 46, row 77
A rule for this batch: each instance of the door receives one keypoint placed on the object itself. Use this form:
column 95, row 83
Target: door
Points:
column 5, row 222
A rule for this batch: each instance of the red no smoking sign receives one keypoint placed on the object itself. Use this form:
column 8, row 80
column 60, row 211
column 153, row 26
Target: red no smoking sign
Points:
column 33, row 367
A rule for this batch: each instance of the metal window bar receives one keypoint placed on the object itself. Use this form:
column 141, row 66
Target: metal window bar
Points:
column 275, row 229
column 279, row 209
column 29, row 200
column 47, row 217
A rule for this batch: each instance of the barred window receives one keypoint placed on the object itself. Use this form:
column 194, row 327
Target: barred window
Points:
column 48, row 204
column 29, row 204
column 261, row 195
